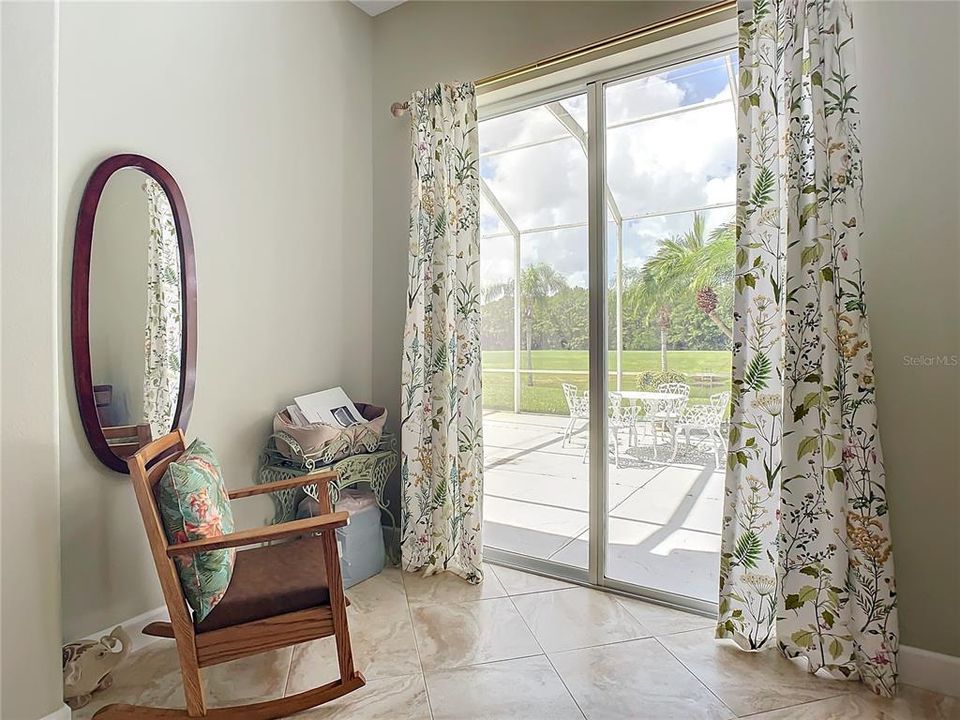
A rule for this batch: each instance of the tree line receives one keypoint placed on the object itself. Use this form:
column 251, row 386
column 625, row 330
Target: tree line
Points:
column 680, row 299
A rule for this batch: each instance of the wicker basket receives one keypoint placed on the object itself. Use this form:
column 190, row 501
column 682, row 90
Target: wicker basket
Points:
column 324, row 443
column 372, row 468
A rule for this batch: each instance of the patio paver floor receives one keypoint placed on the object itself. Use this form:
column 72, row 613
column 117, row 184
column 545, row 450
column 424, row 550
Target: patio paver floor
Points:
column 665, row 518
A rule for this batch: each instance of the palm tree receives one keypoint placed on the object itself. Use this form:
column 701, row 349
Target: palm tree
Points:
column 537, row 283
column 693, row 263
column 647, row 291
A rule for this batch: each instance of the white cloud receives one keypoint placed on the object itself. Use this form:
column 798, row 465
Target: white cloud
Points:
column 721, row 189
column 667, row 164
column 496, row 261
column 541, row 186
column 564, row 250
column 644, row 96
column 526, row 126
column 683, row 160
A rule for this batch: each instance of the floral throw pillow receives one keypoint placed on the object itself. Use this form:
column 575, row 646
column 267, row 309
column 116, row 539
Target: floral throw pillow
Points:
column 194, row 504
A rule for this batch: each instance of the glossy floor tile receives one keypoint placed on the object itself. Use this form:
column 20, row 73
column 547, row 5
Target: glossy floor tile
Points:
column 152, row 677
column 383, row 646
column 513, row 689
column 525, row 647
column 662, row 620
column 748, row 682
column 516, row 582
column 383, row 591
column 910, row 704
column 639, row 679
column 576, row 618
column 444, row 588
column 469, row 633
column 387, row 699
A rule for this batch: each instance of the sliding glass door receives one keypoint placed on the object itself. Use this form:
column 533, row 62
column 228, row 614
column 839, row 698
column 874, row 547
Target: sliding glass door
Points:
column 607, row 262
column 670, row 139
column 536, row 337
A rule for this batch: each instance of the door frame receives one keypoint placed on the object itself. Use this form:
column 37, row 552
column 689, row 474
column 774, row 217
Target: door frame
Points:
column 681, row 49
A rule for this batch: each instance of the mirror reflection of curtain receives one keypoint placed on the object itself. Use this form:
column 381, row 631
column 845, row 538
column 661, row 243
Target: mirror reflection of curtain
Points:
column 163, row 335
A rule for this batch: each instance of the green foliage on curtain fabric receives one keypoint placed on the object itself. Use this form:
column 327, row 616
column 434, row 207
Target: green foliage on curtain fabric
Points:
column 441, row 441
column 806, row 555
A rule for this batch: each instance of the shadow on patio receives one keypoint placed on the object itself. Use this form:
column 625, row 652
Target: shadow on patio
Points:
column 664, row 517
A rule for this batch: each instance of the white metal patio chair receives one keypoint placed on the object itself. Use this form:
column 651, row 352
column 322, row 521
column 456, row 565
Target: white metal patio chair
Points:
column 671, row 409
column 578, row 406
column 621, row 416
column 668, row 412
column 646, row 417
column 706, row 419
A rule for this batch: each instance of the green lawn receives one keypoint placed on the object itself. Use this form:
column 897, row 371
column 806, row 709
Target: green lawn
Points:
column 545, row 395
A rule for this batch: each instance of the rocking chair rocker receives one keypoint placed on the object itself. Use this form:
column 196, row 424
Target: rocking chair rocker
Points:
column 280, row 595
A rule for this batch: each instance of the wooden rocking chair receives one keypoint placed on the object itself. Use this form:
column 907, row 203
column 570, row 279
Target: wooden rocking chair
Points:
column 279, row 595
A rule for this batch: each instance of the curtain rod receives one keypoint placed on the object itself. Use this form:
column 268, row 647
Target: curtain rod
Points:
column 397, row 109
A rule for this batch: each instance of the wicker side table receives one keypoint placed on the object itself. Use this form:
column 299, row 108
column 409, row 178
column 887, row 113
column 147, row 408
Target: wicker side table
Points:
column 373, row 468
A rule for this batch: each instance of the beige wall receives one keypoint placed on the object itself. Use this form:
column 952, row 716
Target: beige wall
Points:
column 29, row 496
column 909, row 70
column 909, row 93
column 261, row 111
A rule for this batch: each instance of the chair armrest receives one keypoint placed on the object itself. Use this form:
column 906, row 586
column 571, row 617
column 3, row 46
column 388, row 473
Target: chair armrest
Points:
column 259, row 535
column 270, row 487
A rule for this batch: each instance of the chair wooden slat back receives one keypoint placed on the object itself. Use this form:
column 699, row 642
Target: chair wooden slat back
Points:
column 158, row 455
column 125, row 440
column 146, row 468
column 132, row 433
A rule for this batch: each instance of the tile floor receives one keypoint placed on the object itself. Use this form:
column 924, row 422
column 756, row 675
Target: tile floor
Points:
column 665, row 517
column 525, row 647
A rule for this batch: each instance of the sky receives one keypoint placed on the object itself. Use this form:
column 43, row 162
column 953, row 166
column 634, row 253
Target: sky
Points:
column 663, row 164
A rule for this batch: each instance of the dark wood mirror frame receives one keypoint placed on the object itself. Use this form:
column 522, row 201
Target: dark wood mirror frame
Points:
column 80, row 300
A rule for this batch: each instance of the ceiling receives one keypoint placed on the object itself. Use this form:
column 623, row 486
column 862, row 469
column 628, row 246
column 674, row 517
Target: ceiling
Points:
column 375, row 7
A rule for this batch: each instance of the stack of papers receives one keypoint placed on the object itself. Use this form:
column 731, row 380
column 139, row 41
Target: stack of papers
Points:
column 329, row 407
column 296, row 416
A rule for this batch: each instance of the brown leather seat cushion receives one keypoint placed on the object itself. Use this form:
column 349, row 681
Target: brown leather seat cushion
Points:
column 272, row 580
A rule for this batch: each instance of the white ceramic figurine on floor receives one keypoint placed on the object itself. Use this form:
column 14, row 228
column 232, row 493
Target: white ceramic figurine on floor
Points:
column 87, row 666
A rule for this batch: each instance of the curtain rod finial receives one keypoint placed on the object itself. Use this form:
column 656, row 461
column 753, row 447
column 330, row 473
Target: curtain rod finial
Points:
column 399, row 108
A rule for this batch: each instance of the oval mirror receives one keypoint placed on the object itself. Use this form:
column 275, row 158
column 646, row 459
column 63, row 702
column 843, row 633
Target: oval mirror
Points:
column 133, row 308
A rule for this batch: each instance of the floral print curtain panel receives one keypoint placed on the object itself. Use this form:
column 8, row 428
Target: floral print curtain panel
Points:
column 162, row 335
column 806, row 558
column 442, row 447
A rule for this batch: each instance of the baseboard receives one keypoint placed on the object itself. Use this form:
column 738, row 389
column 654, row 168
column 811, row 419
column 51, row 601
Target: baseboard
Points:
column 930, row 670
column 134, row 625
column 61, row 713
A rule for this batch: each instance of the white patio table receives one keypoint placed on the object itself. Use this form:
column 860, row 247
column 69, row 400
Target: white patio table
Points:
column 664, row 401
